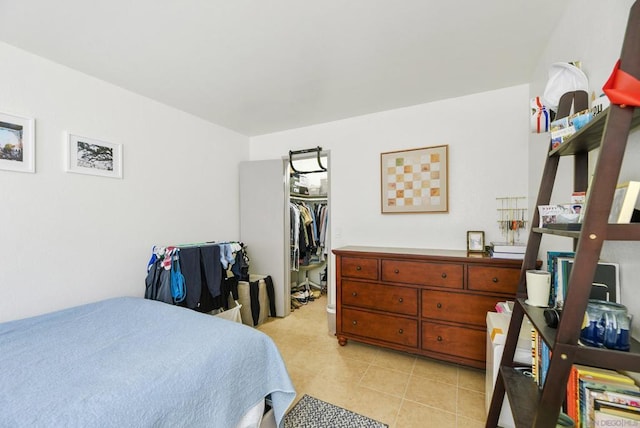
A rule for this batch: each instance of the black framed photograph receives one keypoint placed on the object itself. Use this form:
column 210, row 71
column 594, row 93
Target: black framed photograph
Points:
column 475, row 241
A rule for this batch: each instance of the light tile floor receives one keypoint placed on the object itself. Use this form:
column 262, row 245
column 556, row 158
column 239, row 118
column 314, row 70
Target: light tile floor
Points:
column 399, row 389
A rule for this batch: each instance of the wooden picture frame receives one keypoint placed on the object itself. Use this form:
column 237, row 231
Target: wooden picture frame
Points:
column 475, row 241
column 17, row 143
column 415, row 180
column 94, row 157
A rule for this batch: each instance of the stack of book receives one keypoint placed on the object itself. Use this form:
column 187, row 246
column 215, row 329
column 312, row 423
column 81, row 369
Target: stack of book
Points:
column 595, row 397
column 540, row 358
column 600, row 397
column 503, row 250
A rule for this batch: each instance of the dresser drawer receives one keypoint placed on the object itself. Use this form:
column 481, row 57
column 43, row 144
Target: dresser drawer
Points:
column 457, row 307
column 461, row 342
column 493, row 279
column 388, row 298
column 449, row 275
column 383, row 327
column 357, row 267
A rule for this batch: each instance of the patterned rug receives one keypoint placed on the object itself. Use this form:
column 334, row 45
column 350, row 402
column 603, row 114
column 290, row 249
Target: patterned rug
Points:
column 310, row 412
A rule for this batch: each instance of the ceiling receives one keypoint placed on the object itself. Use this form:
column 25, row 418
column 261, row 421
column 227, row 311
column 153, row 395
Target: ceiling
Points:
column 258, row 67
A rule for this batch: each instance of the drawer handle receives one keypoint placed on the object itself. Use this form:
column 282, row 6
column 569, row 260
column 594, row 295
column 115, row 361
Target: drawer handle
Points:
column 355, row 322
column 495, row 279
column 358, row 267
column 354, row 294
column 401, row 300
column 439, row 305
column 400, row 331
column 444, row 275
column 439, row 338
column 396, row 271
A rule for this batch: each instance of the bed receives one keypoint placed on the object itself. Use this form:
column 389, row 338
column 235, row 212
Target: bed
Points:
column 131, row 362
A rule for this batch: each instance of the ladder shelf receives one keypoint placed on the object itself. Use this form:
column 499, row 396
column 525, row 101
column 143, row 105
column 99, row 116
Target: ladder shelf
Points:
column 608, row 132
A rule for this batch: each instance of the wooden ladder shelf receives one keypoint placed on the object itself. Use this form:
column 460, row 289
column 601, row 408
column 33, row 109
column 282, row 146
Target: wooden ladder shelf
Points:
column 608, row 132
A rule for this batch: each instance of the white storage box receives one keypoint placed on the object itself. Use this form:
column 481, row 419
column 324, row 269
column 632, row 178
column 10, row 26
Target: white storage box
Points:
column 497, row 328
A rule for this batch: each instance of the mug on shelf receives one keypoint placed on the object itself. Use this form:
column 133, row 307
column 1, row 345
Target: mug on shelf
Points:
column 538, row 288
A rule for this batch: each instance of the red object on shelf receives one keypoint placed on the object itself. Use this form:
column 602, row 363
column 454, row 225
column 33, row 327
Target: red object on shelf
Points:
column 622, row 88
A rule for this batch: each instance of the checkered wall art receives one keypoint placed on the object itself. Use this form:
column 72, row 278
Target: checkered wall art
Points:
column 415, row 180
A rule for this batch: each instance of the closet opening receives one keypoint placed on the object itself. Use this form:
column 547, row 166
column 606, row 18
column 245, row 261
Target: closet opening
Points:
column 309, row 234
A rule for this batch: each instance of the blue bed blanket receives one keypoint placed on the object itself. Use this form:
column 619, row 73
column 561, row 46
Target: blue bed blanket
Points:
column 131, row 362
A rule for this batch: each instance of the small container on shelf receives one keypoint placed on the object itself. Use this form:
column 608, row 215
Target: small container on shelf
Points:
column 606, row 325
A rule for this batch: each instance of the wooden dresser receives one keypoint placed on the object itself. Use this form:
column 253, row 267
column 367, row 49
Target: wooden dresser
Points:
column 427, row 302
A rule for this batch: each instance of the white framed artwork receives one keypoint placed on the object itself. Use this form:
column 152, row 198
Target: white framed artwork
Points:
column 94, row 157
column 17, row 143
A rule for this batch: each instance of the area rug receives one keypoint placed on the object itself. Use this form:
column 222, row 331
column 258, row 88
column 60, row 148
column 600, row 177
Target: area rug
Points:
column 310, row 412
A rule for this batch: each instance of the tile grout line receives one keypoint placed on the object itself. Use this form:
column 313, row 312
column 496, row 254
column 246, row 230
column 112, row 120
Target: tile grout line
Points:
column 404, row 394
column 457, row 393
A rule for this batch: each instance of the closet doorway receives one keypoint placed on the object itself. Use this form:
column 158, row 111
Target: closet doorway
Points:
column 309, row 238
column 265, row 223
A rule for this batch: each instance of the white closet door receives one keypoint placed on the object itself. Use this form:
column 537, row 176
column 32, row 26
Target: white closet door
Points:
column 263, row 223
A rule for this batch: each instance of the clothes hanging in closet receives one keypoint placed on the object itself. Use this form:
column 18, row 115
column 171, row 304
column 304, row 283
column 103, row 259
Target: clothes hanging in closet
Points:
column 308, row 232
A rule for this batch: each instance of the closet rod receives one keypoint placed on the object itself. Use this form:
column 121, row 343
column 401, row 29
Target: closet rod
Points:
column 317, row 150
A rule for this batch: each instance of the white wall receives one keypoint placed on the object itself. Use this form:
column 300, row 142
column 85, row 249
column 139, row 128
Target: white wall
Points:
column 591, row 31
column 487, row 138
column 67, row 239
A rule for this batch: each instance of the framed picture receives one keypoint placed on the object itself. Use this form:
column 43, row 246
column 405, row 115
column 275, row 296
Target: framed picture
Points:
column 475, row 241
column 90, row 156
column 17, row 143
column 624, row 202
column 415, row 180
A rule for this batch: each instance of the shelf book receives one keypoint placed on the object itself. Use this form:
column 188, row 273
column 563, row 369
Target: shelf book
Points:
column 605, row 285
column 613, row 414
column 624, row 201
column 624, row 405
column 587, row 384
column 552, row 266
column 589, row 389
column 540, row 357
column 505, row 247
column 504, row 250
column 511, row 256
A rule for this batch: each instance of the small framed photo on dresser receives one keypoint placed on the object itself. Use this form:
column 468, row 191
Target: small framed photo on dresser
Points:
column 475, row 241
